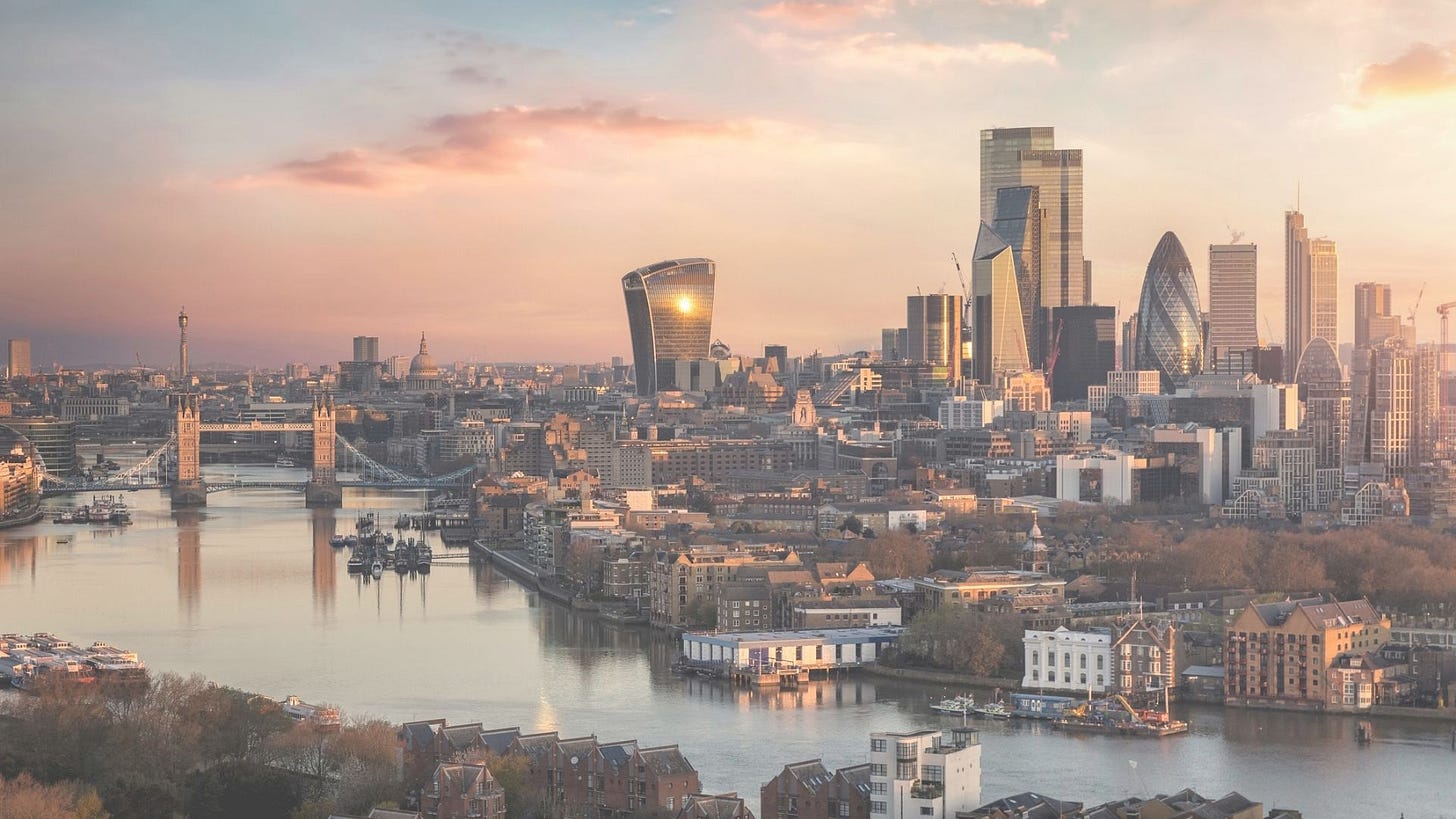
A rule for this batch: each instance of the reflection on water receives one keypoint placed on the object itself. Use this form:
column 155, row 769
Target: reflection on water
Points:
column 272, row 609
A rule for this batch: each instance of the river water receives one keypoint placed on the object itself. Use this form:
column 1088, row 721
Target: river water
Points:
column 248, row 592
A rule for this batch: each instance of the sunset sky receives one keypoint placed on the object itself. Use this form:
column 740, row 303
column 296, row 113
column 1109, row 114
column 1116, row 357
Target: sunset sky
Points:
column 299, row 173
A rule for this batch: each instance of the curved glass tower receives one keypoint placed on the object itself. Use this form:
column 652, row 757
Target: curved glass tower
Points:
column 1170, row 322
column 1325, row 387
column 670, row 315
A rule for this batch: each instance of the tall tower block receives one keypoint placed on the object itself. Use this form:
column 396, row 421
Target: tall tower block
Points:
column 182, row 370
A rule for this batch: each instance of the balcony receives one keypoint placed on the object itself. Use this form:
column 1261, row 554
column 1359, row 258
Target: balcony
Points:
column 926, row 789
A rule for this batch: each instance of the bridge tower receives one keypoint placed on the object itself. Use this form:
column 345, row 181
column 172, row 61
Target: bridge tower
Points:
column 189, row 490
column 323, row 486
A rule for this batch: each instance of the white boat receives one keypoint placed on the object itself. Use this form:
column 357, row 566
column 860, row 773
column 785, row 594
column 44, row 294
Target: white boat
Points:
column 320, row 715
column 377, row 569
column 287, row 462
column 955, row 705
column 991, row 710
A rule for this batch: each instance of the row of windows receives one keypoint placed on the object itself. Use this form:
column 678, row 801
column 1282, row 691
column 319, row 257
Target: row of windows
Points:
column 1051, row 659
column 1066, row 677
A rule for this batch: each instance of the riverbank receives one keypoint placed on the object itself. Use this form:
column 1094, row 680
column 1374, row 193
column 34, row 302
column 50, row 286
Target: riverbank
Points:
column 22, row 520
column 516, row 567
column 941, row 677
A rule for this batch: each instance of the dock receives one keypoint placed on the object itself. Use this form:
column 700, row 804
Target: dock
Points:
column 29, row 661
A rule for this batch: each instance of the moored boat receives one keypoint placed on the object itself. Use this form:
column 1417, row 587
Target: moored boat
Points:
column 960, row 705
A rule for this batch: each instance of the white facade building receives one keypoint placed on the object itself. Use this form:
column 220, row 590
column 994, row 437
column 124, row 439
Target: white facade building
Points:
column 960, row 412
column 1063, row 660
column 924, row 774
column 1077, row 478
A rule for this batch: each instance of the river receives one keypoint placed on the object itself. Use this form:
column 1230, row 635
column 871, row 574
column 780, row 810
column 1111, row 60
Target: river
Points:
column 248, row 592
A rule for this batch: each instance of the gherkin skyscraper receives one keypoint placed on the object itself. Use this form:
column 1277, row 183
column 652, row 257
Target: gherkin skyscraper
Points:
column 1170, row 322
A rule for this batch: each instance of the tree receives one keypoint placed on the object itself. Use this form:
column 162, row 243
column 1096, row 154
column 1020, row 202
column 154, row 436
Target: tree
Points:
column 852, row 524
column 241, row 790
column 962, row 639
column 23, row 796
column 702, row 613
column 899, row 554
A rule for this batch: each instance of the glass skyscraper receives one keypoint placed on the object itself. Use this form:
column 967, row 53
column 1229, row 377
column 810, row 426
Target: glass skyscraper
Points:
column 1000, row 332
column 1018, row 221
column 1233, row 298
column 1325, row 387
column 1170, row 322
column 670, row 315
column 1311, row 278
column 934, row 324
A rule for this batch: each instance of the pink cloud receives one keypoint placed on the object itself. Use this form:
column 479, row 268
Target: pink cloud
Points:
column 825, row 13
column 1422, row 69
column 883, row 50
column 494, row 142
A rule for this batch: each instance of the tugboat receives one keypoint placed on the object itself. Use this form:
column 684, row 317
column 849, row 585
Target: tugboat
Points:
column 424, row 554
column 356, row 562
column 337, row 541
column 377, row 569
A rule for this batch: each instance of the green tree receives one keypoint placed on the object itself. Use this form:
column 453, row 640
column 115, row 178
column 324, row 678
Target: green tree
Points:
column 241, row 790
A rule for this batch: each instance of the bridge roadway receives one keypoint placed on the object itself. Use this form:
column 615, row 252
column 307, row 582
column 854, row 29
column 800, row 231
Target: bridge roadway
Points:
column 297, row 486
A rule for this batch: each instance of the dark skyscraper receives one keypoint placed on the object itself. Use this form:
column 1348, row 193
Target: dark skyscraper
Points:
column 1086, row 349
column 1170, row 323
column 669, row 314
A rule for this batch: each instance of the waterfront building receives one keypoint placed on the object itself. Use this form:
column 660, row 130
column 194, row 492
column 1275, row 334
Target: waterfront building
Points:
column 934, row 325
column 924, row 773
column 1325, row 388
column 670, row 316
column 1085, row 340
column 1065, row 660
column 1027, row 157
column 18, row 358
column 20, row 476
column 713, row 806
column 463, row 792
column 1170, row 332
column 688, row 581
column 808, row 790
column 1144, row 657
column 846, row 612
column 1233, row 298
column 813, row 650
column 1019, row 222
column 54, row 440
column 94, row 407
column 999, row 325
column 1279, row 654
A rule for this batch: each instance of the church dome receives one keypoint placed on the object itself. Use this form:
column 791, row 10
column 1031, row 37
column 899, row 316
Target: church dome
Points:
column 423, row 364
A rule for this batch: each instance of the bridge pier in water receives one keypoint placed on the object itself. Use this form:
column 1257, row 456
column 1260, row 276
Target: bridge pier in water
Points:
column 189, row 490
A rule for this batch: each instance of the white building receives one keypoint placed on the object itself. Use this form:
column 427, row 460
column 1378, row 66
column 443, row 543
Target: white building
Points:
column 1098, row 477
column 1122, row 383
column 1064, row 660
column 808, row 649
column 960, row 412
column 924, row 774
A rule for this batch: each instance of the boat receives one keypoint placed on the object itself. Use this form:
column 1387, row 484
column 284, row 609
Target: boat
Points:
column 961, row 705
column 992, row 710
column 377, row 569
column 321, row 715
column 1115, row 715
column 424, row 555
column 355, row 563
column 285, row 462
column 337, row 541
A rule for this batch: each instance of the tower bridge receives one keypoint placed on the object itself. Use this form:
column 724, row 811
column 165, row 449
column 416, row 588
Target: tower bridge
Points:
column 323, row 488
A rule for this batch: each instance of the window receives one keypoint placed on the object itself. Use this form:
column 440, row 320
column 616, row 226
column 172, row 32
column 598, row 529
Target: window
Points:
column 1082, row 661
column 1035, row 675
column 877, row 769
column 669, row 803
column 877, row 807
column 1051, row 659
column 1066, row 676
column 933, row 773
column 1082, row 679
column 1035, row 658
column 1067, row 659
column 843, row 808
column 1099, row 662
column 878, row 787
column 879, row 745
column 927, row 810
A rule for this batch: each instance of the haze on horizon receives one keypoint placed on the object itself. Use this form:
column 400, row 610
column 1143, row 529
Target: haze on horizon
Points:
column 297, row 174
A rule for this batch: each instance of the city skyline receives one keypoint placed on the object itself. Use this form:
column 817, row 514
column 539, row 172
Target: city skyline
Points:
column 439, row 167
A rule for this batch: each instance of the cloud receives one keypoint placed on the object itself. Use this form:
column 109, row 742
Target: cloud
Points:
column 1030, row 4
column 1423, row 69
column 883, row 50
column 825, row 13
column 497, row 141
column 474, row 75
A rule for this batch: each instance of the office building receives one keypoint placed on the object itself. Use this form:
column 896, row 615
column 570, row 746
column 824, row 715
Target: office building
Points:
column 1170, row 331
column 924, row 773
column 1233, row 298
column 19, row 357
column 934, row 328
column 999, row 328
column 669, row 314
column 1373, row 321
column 894, row 342
column 1311, row 279
column 1127, row 353
column 54, row 440
column 779, row 355
column 1426, row 404
column 1027, row 157
column 1019, row 223
column 1325, row 388
column 1085, row 340
column 366, row 348
column 1382, row 428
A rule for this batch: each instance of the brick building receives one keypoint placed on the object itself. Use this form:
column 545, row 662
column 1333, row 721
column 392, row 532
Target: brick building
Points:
column 1279, row 654
column 463, row 792
column 807, row 790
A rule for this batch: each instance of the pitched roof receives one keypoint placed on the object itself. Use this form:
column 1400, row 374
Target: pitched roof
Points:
column 461, row 737
column 498, row 740
column 420, row 734
column 536, row 746
column 666, row 760
column 811, row 774
column 857, row 776
column 724, row 806
column 618, row 754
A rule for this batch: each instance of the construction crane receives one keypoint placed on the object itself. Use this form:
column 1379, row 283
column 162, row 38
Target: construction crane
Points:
column 1055, row 352
column 1412, row 317
column 1445, row 311
column 1234, row 235
column 1270, row 328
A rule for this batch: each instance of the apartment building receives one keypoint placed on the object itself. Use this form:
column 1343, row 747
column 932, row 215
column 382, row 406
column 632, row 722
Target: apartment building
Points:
column 808, row 790
column 1279, row 654
column 924, row 774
